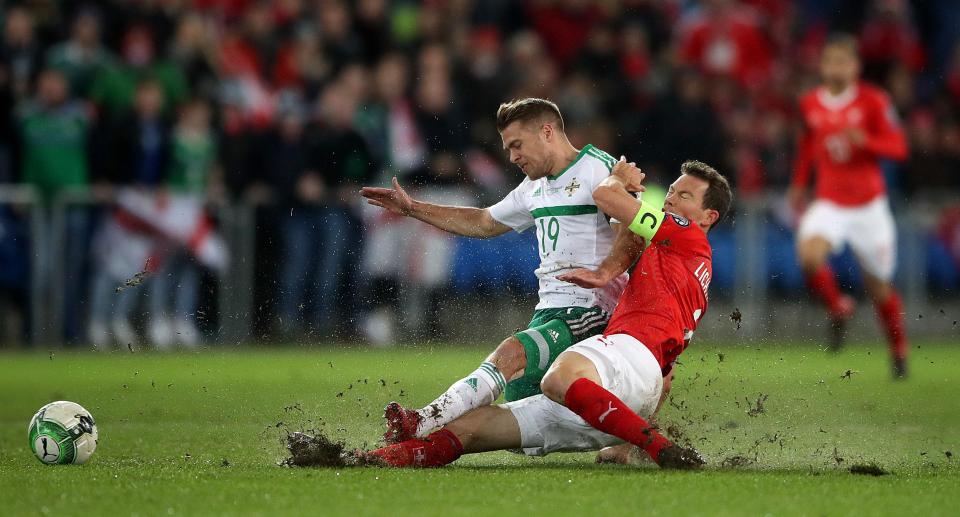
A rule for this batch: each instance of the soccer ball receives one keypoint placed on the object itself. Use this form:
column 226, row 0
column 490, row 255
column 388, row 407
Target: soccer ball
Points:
column 62, row 432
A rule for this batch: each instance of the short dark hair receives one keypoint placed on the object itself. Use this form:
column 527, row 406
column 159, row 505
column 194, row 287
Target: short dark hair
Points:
column 529, row 109
column 844, row 40
column 719, row 195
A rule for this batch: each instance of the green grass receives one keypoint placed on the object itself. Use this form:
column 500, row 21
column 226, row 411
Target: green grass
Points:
column 167, row 422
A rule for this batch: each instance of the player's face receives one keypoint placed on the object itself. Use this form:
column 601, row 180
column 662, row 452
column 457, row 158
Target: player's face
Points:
column 839, row 66
column 685, row 198
column 527, row 148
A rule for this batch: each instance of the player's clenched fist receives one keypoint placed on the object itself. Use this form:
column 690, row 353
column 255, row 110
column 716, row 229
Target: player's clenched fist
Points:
column 629, row 174
column 393, row 199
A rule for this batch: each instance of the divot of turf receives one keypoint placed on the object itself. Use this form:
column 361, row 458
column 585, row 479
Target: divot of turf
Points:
column 869, row 469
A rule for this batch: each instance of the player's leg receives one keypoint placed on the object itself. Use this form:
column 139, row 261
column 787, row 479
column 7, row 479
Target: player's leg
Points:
column 576, row 381
column 487, row 428
column 875, row 245
column 812, row 254
column 515, row 369
column 628, row 453
column 821, row 232
column 889, row 308
column 480, row 388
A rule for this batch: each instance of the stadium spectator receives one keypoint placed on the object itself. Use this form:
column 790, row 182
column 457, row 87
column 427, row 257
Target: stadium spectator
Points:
column 565, row 26
column 131, row 151
column 114, row 87
column 54, row 142
column 134, row 149
column 298, row 191
column 81, row 57
column 20, row 51
column 175, row 288
column 54, row 137
column 888, row 38
column 343, row 161
column 192, row 51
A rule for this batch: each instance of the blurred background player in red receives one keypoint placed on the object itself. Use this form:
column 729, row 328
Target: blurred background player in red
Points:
column 848, row 128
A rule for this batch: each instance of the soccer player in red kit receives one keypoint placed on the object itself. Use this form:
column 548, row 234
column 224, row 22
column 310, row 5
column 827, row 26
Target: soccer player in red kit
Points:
column 601, row 391
column 848, row 127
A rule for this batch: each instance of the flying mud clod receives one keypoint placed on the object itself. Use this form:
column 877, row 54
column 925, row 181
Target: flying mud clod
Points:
column 133, row 281
column 319, row 451
column 736, row 317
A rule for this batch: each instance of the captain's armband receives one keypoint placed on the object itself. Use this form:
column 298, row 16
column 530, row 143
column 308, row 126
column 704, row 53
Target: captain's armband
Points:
column 647, row 221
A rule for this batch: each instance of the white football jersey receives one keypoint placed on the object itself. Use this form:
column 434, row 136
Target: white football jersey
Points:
column 571, row 232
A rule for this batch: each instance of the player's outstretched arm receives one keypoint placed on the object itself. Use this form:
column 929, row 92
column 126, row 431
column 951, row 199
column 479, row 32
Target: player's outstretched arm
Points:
column 461, row 220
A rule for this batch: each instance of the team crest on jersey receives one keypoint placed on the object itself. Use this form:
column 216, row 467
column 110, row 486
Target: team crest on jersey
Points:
column 572, row 187
column 680, row 220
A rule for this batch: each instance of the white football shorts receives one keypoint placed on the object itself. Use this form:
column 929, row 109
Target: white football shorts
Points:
column 868, row 228
column 627, row 369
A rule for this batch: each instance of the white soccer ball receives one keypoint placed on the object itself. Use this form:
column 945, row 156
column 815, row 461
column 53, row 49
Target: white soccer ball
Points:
column 62, row 432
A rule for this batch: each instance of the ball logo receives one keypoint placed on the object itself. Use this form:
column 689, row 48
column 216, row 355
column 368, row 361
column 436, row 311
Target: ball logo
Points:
column 47, row 449
column 681, row 221
column 86, row 423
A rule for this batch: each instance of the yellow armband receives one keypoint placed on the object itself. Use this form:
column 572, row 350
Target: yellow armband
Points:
column 647, row 221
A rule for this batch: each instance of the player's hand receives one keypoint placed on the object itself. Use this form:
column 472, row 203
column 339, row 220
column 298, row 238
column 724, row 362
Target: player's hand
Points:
column 393, row 199
column 856, row 136
column 629, row 174
column 586, row 278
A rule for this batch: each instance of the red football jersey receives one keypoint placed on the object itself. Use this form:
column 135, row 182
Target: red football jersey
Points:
column 847, row 174
column 667, row 292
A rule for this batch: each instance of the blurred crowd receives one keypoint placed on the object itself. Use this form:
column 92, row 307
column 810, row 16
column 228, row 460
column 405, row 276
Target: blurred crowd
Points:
column 290, row 105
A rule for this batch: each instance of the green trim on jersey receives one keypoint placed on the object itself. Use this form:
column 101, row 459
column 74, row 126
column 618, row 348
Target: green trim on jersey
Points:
column 561, row 210
column 550, row 332
column 603, row 156
column 647, row 221
column 584, row 151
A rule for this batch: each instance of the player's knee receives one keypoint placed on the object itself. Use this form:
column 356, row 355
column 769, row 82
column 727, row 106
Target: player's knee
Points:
column 878, row 290
column 568, row 368
column 811, row 254
column 556, row 383
column 809, row 262
column 509, row 357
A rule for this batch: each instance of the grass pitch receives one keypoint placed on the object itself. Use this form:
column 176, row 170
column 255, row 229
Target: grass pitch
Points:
column 200, row 433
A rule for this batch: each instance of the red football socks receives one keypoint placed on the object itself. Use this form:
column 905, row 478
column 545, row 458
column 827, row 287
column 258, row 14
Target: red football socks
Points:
column 604, row 411
column 438, row 449
column 823, row 283
column 890, row 312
